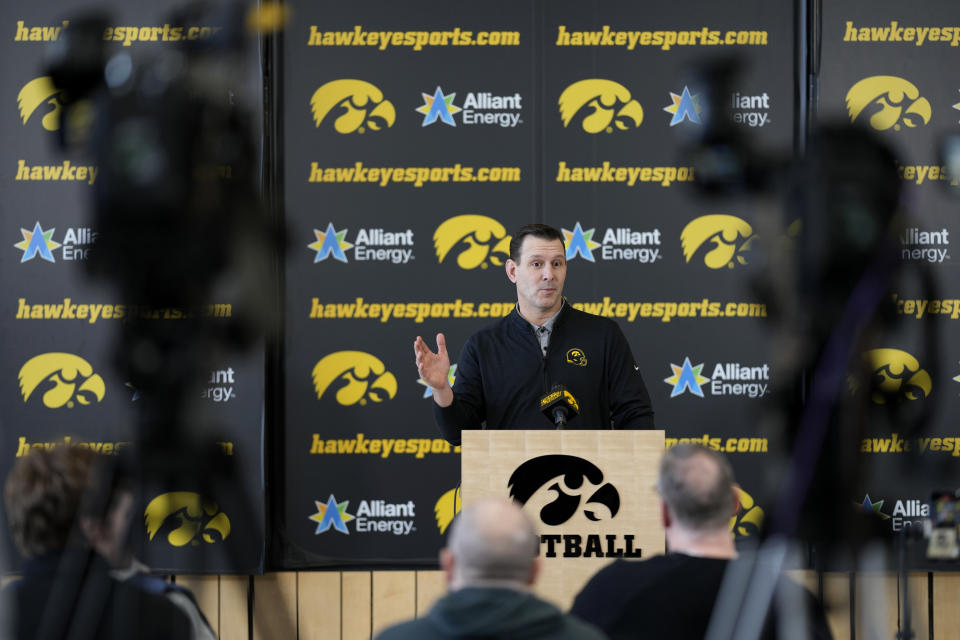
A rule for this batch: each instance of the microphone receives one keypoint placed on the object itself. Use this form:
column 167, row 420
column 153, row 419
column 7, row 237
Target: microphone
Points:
column 559, row 406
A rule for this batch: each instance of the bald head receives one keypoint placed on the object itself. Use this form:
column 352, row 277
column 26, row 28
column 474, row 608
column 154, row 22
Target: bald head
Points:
column 493, row 541
column 696, row 484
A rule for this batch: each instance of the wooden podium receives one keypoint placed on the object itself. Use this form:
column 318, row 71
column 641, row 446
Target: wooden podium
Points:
column 591, row 493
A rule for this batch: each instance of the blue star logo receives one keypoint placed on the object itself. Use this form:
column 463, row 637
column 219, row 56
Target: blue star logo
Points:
column 451, row 377
column 438, row 106
column 37, row 243
column 871, row 508
column 686, row 378
column 332, row 514
column 580, row 241
column 685, row 106
column 330, row 243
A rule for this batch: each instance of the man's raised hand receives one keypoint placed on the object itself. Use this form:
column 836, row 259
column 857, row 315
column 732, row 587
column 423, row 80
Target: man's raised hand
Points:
column 434, row 368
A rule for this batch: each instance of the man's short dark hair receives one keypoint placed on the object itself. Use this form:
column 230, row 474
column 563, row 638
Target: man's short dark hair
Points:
column 697, row 485
column 543, row 231
column 43, row 494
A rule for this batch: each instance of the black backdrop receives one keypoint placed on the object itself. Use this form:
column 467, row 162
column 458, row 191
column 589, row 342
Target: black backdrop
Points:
column 398, row 211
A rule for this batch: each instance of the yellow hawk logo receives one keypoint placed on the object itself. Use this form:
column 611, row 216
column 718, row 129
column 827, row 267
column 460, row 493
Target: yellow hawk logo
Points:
column 891, row 101
column 366, row 378
column 446, row 508
column 35, row 93
column 67, row 379
column 486, row 241
column 730, row 235
column 749, row 517
column 362, row 104
column 197, row 518
column 896, row 376
column 610, row 104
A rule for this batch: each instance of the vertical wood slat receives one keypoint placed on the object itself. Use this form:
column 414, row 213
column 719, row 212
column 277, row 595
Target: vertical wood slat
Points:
column 946, row 596
column 394, row 598
column 233, row 607
column 355, row 611
column 206, row 591
column 877, row 609
column 275, row 606
column 431, row 585
column 319, row 603
column 836, row 601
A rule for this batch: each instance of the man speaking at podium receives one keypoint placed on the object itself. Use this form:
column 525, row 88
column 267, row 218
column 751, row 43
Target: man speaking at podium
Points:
column 543, row 365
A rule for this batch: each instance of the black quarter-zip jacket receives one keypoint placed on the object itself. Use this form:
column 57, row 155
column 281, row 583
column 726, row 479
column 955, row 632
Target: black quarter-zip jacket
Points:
column 502, row 374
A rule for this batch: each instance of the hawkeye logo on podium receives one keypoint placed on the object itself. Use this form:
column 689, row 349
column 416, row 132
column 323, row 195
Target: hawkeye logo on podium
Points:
column 579, row 492
column 62, row 380
column 897, row 376
column 475, row 240
column 186, row 518
column 888, row 102
column 358, row 377
column 722, row 240
column 355, row 105
column 600, row 105
column 41, row 97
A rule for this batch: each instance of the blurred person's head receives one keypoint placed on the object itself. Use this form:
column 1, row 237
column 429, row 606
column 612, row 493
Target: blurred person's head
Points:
column 48, row 491
column 43, row 493
column 492, row 543
column 698, row 497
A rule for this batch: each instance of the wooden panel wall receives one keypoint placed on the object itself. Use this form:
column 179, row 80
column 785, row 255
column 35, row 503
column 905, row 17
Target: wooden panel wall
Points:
column 354, row 605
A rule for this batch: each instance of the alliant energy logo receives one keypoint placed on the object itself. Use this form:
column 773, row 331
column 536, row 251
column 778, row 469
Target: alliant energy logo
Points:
column 476, row 241
column 37, row 92
column 370, row 245
column 749, row 517
column 39, row 243
column 925, row 246
column 907, row 512
column 446, row 508
column 747, row 110
column 685, row 106
column 750, row 110
column 888, row 102
column 62, row 380
column 600, row 105
column 727, row 379
column 620, row 243
column 722, row 240
column 897, row 376
column 478, row 108
column 371, row 516
column 357, row 376
column 186, row 518
column 220, row 386
column 355, row 105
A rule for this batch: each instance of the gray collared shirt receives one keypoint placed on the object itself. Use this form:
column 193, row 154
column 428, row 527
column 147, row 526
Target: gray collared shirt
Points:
column 543, row 331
